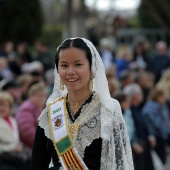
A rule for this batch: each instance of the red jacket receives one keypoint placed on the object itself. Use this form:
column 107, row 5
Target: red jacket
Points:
column 27, row 119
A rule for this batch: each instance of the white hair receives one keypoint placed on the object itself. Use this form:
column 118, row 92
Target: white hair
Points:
column 132, row 89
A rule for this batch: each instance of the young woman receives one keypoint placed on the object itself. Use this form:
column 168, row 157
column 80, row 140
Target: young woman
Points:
column 82, row 126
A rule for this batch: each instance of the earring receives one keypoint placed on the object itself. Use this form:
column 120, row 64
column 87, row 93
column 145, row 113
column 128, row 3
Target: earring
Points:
column 61, row 85
column 91, row 83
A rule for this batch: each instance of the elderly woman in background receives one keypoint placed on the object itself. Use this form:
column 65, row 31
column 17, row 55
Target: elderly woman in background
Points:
column 28, row 113
column 10, row 146
column 141, row 147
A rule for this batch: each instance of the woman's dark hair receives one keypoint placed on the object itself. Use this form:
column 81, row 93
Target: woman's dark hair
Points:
column 77, row 43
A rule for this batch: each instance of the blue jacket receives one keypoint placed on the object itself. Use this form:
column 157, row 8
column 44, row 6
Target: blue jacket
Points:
column 157, row 118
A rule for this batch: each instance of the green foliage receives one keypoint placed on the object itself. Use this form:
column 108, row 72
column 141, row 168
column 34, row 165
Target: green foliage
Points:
column 133, row 22
column 21, row 20
column 52, row 35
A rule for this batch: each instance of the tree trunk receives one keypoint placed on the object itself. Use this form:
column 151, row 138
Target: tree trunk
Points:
column 76, row 18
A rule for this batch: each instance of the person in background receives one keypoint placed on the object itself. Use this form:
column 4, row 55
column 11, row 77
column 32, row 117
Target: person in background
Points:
column 114, row 86
column 5, row 72
column 156, row 115
column 160, row 61
column 22, row 54
column 107, row 55
column 8, row 52
column 44, row 55
column 10, row 146
column 49, row 79
column 111, row 71
column 127, row 114
column 12, row 87
column 140, row 57
column 35, row 69
column 145, row 139
column 34, row 66
column 123, row 59
column 127, row 77
column 28, row 113
column 113, row 83
column 145, row 80
column 164, row 84
column 24, row 81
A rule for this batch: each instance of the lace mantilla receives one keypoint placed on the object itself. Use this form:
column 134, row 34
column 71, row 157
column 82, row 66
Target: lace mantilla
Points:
column 89, row 125
column 97, row 121
column 116, row 151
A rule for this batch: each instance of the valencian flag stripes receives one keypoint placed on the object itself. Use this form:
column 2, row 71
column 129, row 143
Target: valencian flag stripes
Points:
column 70, row 159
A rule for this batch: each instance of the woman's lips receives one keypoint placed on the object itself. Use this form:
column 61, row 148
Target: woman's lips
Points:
column 72, row 79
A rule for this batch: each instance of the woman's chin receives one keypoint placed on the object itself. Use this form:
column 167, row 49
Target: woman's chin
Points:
column 71, row 87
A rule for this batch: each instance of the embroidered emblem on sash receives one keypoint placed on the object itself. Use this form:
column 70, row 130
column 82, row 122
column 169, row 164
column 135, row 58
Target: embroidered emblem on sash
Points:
column 58, row 122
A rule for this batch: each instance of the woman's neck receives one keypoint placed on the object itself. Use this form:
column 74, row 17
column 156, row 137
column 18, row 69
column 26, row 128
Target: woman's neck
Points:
column 76, row 99
column 78, row 95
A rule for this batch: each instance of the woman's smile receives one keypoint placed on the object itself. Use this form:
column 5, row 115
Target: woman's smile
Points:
column 72, row 80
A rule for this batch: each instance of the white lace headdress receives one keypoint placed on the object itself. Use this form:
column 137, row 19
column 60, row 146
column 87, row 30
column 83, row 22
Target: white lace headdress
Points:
column 116, row 149
column 100, row 82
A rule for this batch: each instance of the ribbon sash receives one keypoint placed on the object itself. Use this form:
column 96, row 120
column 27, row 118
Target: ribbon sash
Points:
column 69, row 157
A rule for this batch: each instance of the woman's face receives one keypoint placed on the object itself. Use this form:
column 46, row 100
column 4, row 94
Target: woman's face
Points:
column 161, row 99
column 39, row 99
column 138, row 97
column 5, row 109
column 74, row 69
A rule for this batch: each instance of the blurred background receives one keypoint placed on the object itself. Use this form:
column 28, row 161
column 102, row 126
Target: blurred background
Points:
column 132, row 37
column 52, row 21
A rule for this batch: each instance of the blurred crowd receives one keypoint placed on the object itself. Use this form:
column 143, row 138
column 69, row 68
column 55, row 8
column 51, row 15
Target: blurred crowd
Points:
column 26, row 80
column 138, row 77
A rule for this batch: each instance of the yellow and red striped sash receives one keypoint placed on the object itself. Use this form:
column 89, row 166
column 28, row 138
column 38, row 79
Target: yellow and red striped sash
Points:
column 59, row 128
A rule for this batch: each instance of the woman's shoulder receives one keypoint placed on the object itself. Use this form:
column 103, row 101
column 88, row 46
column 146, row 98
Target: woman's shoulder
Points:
column 56, row 100
column 111, row 105
column 115, row 102
column 150, row 105
column 116, row 105
column 112, row 109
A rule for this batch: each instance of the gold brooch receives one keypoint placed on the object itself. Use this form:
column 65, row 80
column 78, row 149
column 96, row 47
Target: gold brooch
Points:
column 73, row 128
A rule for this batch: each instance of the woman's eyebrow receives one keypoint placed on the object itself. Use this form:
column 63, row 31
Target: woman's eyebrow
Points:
column 77, row 60
column 63, row 62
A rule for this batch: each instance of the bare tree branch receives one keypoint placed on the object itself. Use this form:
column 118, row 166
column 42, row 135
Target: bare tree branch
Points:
column 156, row 16
column 165, row 6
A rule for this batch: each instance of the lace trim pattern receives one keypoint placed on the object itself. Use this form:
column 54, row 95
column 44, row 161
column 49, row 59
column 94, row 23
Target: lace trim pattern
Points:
column 43, row 123
column 90, row 124
column 97, row 121
column 116, row 149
